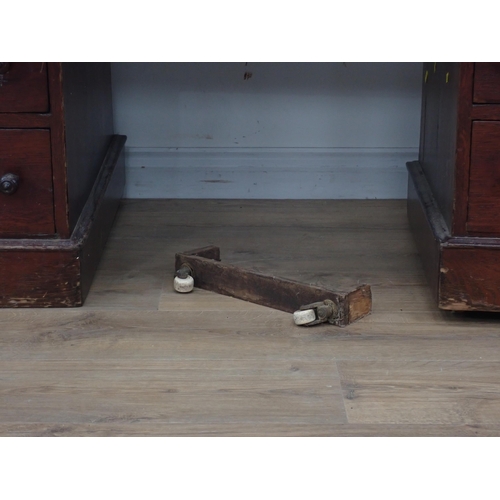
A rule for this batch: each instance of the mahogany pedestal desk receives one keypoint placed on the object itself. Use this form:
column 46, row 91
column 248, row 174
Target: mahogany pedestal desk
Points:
column 61, row 180
column 62, row 176
column 454, row 187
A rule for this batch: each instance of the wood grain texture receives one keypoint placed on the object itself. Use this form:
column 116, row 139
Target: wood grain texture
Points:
column 58, row 144
column 58, row 272
column 487, row 82
column 97, row 217
column 25, row 120
column 443, row 392
column 485, row 112
column 236, row 391
column 139, row 360
column 484, row 188
column 139, row 429
column 441, row 87
column 81, row 125
column 88, row 122
column 30, row 210
column 39, row 279
column 23, row 88
column 459, row 159
column 441, row 176
column 427, row 224
column 470, row 279
column 462, row 271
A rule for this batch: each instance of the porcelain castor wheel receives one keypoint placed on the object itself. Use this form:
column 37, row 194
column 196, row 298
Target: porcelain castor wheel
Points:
column 183, row 281
column 304, row 317
column 183, row 285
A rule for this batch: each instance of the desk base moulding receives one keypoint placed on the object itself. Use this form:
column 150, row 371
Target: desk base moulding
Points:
column 56, row 272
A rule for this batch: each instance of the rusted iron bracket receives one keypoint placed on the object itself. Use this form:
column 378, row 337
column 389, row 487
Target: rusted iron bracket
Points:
column 204, row 266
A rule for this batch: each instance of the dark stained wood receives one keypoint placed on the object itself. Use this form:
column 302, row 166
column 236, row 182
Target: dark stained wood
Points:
column 58, row 272
column 458, row 180
column 25, row 120
column 463, row 272
column 484, row 191
column 81, row 130
column 427, row 224
column 470, row 279
column 88, row 120
column 28, row 211
column 58, row 141
column 487, row 82
column 56, row 127
column 97, row 217
column 485, row 112
column 460, row 159
column 270, row 291
column 442, row 85
column 23, row 88
column 442, row 178
column 39, row 278
column 429, row 125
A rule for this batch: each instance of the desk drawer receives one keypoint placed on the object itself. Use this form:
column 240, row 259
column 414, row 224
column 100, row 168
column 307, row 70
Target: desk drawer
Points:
column 29, row 209
column 484, row 181
column 487, row 83
column 23, row 88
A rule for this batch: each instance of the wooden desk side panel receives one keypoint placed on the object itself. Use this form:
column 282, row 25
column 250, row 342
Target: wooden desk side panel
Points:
column 100, row 211
column 88, row 120
column 421, row 210
column 441, row 101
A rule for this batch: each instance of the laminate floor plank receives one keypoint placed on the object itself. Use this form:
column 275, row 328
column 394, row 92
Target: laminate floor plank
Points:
column 187, row 391
column 130, row 276
column 228, row 334
column 243, row 429
column 421, row 392
column 138, row 218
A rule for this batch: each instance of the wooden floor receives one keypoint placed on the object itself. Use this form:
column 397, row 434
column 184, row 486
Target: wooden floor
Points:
column 139, row 359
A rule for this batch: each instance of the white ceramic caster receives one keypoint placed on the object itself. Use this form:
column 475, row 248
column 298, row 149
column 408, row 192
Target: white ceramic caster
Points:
column 183, row 285
column 304, row 317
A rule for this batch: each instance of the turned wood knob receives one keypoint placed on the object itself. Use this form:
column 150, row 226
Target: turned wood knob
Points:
column 9, row 183
column 4, row 68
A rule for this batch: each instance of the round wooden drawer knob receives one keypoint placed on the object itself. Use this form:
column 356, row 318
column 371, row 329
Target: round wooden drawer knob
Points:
column 9, row 183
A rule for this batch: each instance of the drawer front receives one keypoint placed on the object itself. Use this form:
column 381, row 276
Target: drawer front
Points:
column 484, row 182
column 27, row 210
column 24, row 88
column 487, row 83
